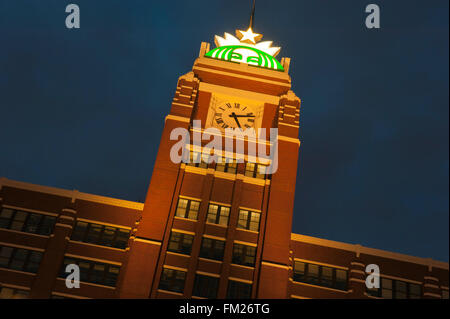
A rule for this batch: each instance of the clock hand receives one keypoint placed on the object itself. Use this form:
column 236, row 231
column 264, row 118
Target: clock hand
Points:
column 235, row 118
column 244, row 115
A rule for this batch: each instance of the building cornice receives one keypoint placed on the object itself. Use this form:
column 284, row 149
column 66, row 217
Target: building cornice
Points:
column 71, row 194
column 358, row 249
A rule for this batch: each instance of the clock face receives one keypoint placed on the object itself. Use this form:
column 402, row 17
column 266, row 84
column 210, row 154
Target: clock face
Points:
column 234, row 112
column 234, row 115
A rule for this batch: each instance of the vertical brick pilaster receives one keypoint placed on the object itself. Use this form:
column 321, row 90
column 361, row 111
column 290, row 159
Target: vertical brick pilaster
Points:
column 431, row 288
column 54, row 254
column 357, row 279
column 199, row 230
column 228, row 252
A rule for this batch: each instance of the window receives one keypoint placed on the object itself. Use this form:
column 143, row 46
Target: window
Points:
column 320, row 275
column 101, row 235
column 195, row 159
column 227, row 165
column 255, row 170
column 172, row 280
column 180, row 243
column 187, row 208
column 444, row 294
column 396, row 289
column 248, row 220
column 218, row 214
column 244, row 255
column 20, row 259
column 93, row 272
column 212, row 248
column 239, row 290
column 13, row 293
column 205, row 286
column 26, row 222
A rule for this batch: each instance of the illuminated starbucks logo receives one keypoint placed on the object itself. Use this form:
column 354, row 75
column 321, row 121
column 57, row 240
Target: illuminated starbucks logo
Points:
column 246, row 50
column 240, row 53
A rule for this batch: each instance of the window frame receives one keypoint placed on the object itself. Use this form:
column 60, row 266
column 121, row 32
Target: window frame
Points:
column 219, row 214
column 207, row 289
column 26, row 261
column 114, row 243
column 181, row 240
column 236, row 286
column 173, row 279
column 87, row 277
column 235, row 259
column 318, row 280
column 378, row 292
column 248, row 221
column 187, row 208
column 25, row 223
column 212, row 251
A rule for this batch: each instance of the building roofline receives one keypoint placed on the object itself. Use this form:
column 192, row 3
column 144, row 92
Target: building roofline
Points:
column 358, row 249
column 72, row 194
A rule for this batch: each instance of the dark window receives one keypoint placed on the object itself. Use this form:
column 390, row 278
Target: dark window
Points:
column 13, row 293
column 26, row 222
column 20, row 259
column 227, row 165
column 244, row 255
column 92, row 271
column 239, row 290
column 195, row 159
column 101, row 235
column 218, row 214
column 180, row 243
column 205, row 286
column 320, row 275
column 172, row 280
column 248, row 220
column 444, row 294
column 255, row 170
column 187, row 208
column 396, row 289
column 212, row 248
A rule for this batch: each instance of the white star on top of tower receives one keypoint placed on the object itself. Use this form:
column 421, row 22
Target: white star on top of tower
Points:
column 248, row 36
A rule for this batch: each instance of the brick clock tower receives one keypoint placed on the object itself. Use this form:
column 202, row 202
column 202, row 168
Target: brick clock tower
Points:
column 221, row 229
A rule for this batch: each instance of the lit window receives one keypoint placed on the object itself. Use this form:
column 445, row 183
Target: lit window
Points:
column 180, row 243
column 195, row 159
column 187, row 208
column 255, row 170
column 227, row 165
column 248, row 220
column 218, row 214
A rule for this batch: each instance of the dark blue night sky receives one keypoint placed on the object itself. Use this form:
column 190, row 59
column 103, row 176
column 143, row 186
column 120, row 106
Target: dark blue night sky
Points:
column 84, row 109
